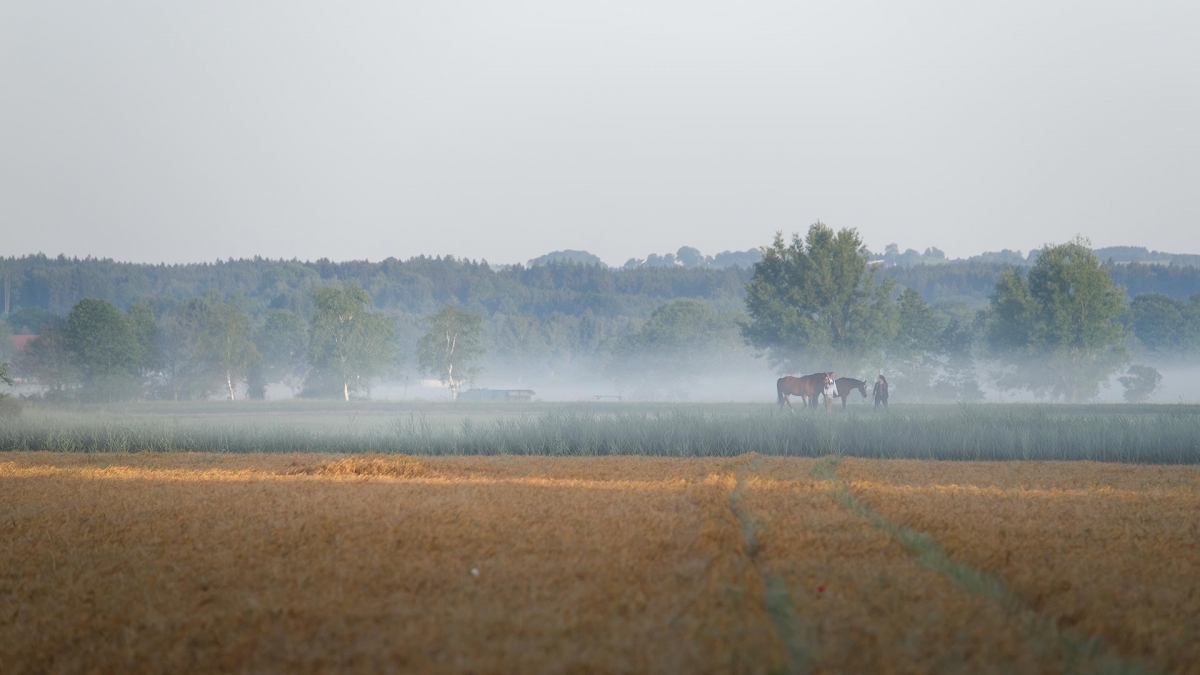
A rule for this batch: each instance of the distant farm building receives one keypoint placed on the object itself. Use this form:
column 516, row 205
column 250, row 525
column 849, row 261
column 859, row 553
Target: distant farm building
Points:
column 495, row 395
column 20, row 342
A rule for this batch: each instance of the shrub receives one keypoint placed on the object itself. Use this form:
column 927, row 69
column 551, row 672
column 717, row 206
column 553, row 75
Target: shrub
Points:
column 1140, row 383
column 10, row 407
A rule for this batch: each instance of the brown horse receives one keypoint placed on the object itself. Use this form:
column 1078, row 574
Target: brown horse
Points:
column 807, row 388
column 845, row 385
column 880, row 391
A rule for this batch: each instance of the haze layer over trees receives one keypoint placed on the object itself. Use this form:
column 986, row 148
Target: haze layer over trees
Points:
column 1059, row 323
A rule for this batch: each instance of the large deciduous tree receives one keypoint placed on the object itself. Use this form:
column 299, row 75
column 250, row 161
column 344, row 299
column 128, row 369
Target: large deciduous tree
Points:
column 103, row 348
column 349, row 342
column 6, row 346
column 283, row 343
column 958, row 379
column 452, row 347
column 9, row 407
column 46, row 360
column 1057, row 332
column 814, row 303
column 915, row 349
column 186, row 346
column 1164, row 324
column 229, row 346
column 147, row 336
column 676, row 345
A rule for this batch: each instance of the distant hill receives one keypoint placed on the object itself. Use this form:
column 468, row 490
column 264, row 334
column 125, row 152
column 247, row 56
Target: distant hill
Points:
column 567, row 256
column 892, row 257
column 690, row 257
column 686, row 257
column 1132, row 254
column 745, row 258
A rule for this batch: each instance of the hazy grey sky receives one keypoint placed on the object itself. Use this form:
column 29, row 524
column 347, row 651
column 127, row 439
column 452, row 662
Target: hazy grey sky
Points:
column 185, row 131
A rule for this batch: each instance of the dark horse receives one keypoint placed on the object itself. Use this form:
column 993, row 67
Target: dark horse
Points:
column 845, row 385
column 807, row 388
column 880, row 392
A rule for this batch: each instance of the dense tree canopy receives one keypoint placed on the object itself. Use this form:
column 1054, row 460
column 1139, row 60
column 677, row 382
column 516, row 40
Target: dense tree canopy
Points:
column 815, row 298
column 146, row 334
column 104, row 349
column 229, row 347
column 283, row 343
column 348, row 342
column 185, row 349
column 676, row 346
column 1164, row 324
column 47, row 361
column 6, row 345
column 1058, row 331
column 451, row 349
column 819, row 302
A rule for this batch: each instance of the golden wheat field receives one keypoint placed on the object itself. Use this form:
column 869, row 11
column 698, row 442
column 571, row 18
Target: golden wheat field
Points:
column 204, row 562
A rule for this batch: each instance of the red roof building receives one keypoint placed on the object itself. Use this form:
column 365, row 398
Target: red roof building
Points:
column 20, row 341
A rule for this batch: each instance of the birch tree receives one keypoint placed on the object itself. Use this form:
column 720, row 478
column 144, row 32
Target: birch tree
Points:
column 230, row 346
column 452, row 347
column 348, row 341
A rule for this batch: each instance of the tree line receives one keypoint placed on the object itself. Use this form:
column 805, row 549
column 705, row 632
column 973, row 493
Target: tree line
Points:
column 211, row 347
column 1059, row 330
column 418, row 286
column 809, row 303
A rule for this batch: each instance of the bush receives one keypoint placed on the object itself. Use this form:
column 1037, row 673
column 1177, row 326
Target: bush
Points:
column 1140, row 383
column 10, row 407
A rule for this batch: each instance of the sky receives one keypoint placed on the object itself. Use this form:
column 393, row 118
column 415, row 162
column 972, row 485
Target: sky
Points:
column 190, row 131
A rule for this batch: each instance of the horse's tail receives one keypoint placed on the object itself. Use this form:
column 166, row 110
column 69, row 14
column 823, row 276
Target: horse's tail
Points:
column 779, row 391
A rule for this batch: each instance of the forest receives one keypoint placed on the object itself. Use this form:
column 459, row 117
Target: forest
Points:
column 230, row 328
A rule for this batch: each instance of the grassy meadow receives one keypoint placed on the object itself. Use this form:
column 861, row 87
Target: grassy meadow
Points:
column 1160, row 434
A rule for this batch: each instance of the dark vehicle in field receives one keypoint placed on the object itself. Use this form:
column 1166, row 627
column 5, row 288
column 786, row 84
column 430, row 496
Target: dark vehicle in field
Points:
column 496, row 395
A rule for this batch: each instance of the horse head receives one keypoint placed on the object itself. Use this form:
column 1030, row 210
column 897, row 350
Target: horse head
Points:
column 862, row 388
column 830, row 386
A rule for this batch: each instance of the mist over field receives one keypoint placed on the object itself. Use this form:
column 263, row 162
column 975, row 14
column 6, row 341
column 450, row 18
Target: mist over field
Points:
column 1065, row 323
column 654, row 336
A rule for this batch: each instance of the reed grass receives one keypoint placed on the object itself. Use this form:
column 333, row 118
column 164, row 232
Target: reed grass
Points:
column 1156, row 435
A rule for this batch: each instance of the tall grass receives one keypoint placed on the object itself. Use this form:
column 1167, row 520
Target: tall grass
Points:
column 1168, row 435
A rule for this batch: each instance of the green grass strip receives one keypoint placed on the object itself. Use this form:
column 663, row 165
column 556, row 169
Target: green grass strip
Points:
column 1075, row 653
column 776, row 598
